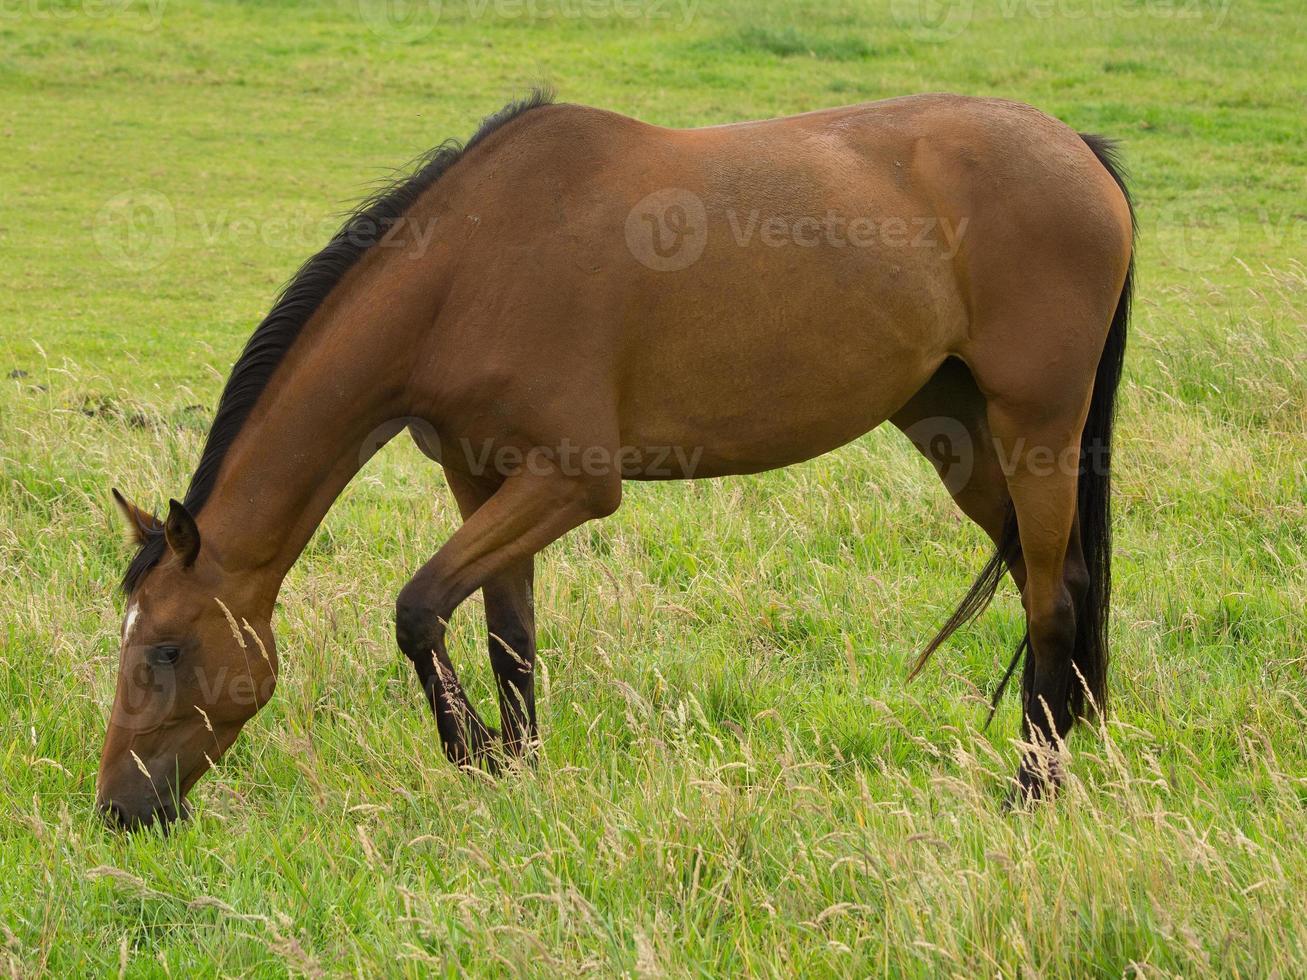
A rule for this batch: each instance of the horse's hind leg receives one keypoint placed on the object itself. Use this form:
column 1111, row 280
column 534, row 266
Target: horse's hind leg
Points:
column 510, row 624
column 1042, row 450
column 524, row 515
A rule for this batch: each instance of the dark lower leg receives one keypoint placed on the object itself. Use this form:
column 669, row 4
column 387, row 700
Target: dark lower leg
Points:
column 510, row 621
column 466, row 739
column 1052, row 691
column 1046, row 694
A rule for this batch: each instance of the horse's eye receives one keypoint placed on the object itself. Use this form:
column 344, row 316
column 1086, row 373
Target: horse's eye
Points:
column 166, row 655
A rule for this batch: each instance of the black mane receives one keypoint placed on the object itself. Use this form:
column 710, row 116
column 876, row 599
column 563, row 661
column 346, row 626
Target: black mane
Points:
column 298, row 300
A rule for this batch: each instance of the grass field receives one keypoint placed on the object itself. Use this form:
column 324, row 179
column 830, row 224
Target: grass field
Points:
column 735, row 778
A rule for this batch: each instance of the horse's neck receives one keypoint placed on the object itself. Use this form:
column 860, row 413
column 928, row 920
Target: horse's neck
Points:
column 330, row 404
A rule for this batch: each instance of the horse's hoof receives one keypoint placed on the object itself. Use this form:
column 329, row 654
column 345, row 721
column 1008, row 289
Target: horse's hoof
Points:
column 1035, row 782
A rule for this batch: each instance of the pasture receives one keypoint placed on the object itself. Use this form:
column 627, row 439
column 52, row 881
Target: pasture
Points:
column 735, row 778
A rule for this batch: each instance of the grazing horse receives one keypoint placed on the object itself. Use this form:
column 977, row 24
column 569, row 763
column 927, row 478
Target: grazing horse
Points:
column 574, row 298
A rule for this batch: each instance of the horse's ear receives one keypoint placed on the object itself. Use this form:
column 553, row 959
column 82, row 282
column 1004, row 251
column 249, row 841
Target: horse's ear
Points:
column 182, row 534
column 140, row 525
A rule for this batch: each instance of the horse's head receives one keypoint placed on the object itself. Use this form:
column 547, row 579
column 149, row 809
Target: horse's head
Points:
column 196, row 662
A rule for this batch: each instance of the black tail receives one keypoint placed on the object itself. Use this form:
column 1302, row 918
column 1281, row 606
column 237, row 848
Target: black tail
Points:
column 979, row 596
column 1094, row 508
column 1095, row 496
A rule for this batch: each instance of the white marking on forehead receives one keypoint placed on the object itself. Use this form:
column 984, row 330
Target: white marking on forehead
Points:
column 129, row 624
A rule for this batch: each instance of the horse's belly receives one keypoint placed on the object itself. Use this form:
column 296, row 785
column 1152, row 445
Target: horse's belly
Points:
column 764, row 406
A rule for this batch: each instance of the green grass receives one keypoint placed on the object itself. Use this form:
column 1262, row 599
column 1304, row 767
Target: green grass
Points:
column 735, row 777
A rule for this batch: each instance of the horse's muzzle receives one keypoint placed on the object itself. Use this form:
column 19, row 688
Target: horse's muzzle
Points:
column 123, row 816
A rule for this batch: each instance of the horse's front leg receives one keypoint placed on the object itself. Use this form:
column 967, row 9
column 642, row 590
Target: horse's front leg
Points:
column 494, row 551
column 510, row 623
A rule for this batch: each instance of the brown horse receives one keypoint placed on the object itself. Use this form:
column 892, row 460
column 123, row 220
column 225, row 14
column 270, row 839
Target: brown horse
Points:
column 574, row 298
